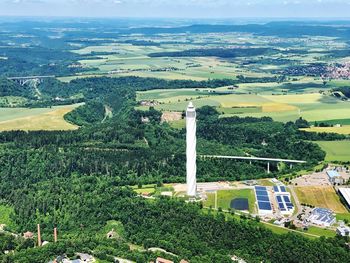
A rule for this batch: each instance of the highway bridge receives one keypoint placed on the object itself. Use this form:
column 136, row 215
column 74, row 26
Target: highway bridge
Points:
column 252, row 158
column 24, row 80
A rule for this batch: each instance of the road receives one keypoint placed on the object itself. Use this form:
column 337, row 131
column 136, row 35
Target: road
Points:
column 266, row 223
column 296, row 201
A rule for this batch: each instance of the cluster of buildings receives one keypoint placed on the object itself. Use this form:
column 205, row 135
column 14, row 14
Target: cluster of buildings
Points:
column 149, row 103
column 275, row 200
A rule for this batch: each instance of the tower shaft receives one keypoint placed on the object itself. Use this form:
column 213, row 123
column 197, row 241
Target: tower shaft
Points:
column 191, row 154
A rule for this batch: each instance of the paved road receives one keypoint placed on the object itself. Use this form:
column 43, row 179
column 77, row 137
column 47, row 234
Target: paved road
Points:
column 296, row 200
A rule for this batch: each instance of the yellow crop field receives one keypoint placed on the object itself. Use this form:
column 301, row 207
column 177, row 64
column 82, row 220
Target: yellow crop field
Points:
column 340, row 130
column 295, row 98
column 277, row 107
column 320, row 196
column 45, row 119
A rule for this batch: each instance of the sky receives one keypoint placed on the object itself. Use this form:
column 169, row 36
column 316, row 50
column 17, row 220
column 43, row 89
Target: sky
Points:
column 178, row 8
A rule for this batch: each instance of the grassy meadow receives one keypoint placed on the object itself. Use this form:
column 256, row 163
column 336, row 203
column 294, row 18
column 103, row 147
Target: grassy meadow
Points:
column 36, row 119
column 224, row 198
column 336, row 150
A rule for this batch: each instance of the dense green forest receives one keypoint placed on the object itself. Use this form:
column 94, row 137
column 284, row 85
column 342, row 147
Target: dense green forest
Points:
column 11, row 88
column 79, row 180
column 35, row 60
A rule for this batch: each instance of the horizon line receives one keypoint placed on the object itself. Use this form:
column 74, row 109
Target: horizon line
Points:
column 179, row 17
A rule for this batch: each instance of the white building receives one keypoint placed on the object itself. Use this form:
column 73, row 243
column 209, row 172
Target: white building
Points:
column 283, row 200
column 345, row 193
column 322, row 217
column 343, row 231
column 334, row 177
column 191, row 154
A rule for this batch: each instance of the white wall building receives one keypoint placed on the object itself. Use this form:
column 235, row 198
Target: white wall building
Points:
column 191, row 154
column 334, row 177
column 322, row 217
column 343, row 231
column 345, row 193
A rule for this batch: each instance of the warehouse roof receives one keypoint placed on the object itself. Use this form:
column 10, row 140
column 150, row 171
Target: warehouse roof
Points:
column 345, row 192
column 332, row 173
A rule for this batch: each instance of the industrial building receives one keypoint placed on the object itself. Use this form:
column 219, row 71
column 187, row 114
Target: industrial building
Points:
column 263, row 200
column 345, row 194
column 343, row 231
column 334, row 177
column 283, row 200
column 322, row 217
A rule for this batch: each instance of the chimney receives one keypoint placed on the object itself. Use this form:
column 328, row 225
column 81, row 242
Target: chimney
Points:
column 55, row 234
column 39, row 236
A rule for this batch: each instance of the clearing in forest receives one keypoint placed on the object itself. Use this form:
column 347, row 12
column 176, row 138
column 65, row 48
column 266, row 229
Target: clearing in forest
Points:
column 336, row 150
column 224, row 198
column 320, row 196
column 37, row 119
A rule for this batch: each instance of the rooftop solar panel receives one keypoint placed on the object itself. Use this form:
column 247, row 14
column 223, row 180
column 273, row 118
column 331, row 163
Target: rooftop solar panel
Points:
column 279, row 198
column 283, row 189
column 260, row 188
column 264, row 205
column 324, row 218
column 275, row 188
column 283, row 209
column 281, row 205
column 286, row 199
column 261, row 193
column 264, row 198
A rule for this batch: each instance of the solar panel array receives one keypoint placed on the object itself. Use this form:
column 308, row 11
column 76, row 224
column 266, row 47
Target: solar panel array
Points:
column 284, row 203
column 263, row 198
column 280, row 189
column 323, row 215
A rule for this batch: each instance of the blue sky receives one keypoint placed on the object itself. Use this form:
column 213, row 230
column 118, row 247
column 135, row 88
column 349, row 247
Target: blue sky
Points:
column 177, row 8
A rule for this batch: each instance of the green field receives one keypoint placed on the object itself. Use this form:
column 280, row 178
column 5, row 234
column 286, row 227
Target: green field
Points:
column 344, row 216
column 36, row 118
column 224, row 198
column 289, row 107
column 336, row 150
column 321, row 231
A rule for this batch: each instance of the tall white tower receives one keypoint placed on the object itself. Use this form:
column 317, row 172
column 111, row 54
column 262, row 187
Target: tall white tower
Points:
column 191, row 154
